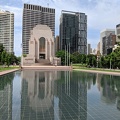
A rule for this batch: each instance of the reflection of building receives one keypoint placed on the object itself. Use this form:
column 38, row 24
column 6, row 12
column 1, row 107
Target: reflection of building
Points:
column 73, row 30
column 7, row 30
column 6, row 97
column 41, row 45
column 72, row 94
column 107, row 93
column 107, row 41
column 118, row 102
column 35, row 15
column 38, row 94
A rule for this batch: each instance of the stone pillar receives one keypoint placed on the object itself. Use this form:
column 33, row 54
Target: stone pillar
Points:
column 46, row 47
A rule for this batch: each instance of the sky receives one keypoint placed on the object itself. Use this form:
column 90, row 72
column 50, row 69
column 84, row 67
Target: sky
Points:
column 101, row 14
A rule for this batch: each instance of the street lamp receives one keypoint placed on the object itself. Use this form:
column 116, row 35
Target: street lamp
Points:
column 110, row 62
column 67, row 46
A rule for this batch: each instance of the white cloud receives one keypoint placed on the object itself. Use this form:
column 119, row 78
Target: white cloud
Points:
column 105, row 14
column 101, row 14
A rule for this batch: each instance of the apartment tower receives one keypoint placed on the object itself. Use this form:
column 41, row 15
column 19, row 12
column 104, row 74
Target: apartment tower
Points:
column 35, row 15
column 73, row 31
column 88, row 49
column 118, row 33
column 107, row 41
column 7, row 30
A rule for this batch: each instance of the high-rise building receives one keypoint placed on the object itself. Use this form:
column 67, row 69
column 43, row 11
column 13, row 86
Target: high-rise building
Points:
column 107, row 41
column 57, row 47
column 118, row 33
column 88, row 49
column 35, row 15
column 73, row 31
column 7, row 30
column 98, row 47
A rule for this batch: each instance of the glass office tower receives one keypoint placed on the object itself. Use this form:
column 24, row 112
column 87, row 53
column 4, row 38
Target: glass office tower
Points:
column 73, row 31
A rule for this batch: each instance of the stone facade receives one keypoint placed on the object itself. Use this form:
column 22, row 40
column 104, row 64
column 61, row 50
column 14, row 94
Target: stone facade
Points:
column 41, row 45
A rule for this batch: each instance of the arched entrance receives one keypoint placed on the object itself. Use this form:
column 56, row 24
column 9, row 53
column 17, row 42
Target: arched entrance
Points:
column 42, row 48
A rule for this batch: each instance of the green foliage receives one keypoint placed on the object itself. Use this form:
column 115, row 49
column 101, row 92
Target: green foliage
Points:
column 24, row 55
column 91, row 60
column 1, row 48
column 109, row 61
column 7, row 58
column 61, row 54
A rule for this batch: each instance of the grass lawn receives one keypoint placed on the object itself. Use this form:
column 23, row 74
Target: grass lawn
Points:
column 7, row 68
column 77, row 66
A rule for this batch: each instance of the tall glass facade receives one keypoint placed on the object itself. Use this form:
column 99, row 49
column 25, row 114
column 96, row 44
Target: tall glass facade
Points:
column 73, row 30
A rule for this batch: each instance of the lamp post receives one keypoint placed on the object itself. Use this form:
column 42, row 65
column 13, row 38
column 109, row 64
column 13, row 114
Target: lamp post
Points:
column 68, row 52
column 110, row 63
column 65, row 55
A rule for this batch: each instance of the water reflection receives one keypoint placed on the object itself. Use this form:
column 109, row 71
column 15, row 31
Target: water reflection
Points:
column 38, row 94
column 56, row 95
column 110, row 89
column 72, row 93
column 53, row 95
column 6, row 96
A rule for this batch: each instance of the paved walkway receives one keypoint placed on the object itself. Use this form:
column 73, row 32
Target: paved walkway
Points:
column 8, row 71
column 101, row 72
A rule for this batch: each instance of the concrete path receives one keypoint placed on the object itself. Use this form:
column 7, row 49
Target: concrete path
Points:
column 8, row 71
column 100, row 72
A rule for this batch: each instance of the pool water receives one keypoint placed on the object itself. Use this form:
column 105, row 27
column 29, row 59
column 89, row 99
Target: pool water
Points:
column 59, row 95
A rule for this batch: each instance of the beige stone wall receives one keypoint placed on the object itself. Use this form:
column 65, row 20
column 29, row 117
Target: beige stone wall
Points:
column 43, row 31
column 38, row 32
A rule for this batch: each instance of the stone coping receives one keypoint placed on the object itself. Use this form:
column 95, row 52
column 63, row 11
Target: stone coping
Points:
column 100, row 72
column 8, row 71
column 48, row 67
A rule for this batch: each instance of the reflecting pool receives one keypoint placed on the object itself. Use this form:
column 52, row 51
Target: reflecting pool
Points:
column 59, row 95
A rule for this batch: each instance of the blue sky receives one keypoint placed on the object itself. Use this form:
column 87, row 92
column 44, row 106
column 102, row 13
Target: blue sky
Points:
column 101, row 14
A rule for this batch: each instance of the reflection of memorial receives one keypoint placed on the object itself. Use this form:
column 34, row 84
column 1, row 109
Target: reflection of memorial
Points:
column 6, row 86
column 72, row 96
column 37, row 94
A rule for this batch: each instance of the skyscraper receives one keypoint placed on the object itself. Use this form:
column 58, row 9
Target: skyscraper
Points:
column 118, row 33
column 7, row 30
column 57, row 44
column 73, row 31
column 107, row 41
column 34, row 15
column 88, row 49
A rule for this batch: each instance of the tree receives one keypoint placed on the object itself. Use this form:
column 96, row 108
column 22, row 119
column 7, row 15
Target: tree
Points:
column 1, row 48
column 3, row 57
column 61, row 54
column 91, row 60
column 8, row 59
column 75, row 57
column 94, row 61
